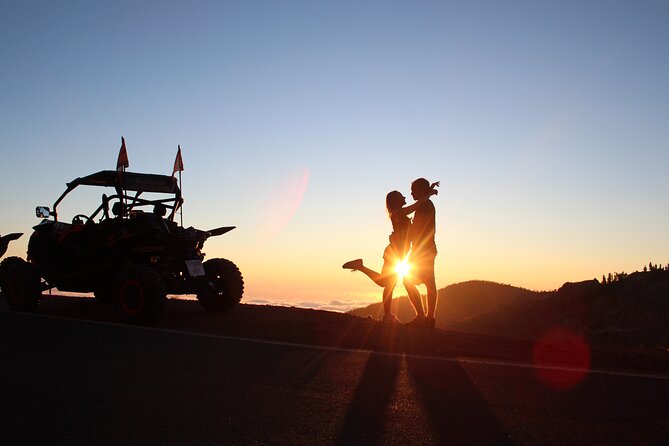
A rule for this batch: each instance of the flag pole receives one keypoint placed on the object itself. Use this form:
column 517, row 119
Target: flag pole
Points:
column 125, row 195
column 181, row 211
column 179, row 167
column 121, row 163
column 125, row 198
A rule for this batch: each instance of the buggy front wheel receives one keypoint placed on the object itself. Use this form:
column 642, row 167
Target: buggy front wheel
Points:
column 224, row 285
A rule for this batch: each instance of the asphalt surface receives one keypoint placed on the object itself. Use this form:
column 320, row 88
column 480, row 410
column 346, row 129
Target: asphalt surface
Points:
column 68, row 375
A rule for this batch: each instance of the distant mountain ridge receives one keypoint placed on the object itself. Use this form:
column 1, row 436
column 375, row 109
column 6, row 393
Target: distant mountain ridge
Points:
column 633, row 310
column 461, row 302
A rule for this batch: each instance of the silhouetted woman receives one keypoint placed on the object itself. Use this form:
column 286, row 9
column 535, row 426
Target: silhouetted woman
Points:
column 395, row 253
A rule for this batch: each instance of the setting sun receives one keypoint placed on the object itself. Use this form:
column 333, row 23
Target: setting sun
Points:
column 402, row 268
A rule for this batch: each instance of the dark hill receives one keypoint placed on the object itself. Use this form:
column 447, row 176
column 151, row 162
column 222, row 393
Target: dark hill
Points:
column 633, row 311
column 461, row 302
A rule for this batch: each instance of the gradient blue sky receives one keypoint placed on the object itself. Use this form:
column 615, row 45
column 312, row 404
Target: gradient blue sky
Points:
column 546, row 122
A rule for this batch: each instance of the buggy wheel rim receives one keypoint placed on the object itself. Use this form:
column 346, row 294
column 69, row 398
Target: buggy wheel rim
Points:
column 218, row 286
column 132, row 297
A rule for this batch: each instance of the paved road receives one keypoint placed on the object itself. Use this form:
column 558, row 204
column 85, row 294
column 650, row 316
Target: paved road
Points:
column 67, row 381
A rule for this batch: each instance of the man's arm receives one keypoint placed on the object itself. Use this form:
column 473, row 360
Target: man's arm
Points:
column 406, row 210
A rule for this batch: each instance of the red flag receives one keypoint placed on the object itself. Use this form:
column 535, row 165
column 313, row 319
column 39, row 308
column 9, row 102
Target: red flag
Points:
column 178, row 163
column 122, row 161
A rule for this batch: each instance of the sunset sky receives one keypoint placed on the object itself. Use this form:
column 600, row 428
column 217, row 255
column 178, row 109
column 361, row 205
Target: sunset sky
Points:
column 547, row 124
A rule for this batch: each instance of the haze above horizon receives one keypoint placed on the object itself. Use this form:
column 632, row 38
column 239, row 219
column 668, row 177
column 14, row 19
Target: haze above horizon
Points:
column 546, row 123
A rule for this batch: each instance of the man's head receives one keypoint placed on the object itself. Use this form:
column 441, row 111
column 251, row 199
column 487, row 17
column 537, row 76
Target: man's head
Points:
column 420, row 188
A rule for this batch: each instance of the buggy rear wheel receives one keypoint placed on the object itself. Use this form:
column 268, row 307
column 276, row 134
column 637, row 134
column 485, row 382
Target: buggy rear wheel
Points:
column 139, row 295
column 224, row 288
column 20, row 283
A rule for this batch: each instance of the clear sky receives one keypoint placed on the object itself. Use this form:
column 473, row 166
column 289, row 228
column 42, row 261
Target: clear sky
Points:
column 547, row 124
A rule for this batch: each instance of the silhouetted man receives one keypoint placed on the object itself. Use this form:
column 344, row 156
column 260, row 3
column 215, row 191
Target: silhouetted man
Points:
column 423, row 246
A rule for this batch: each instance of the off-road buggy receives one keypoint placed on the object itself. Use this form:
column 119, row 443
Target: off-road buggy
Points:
column 129, row 251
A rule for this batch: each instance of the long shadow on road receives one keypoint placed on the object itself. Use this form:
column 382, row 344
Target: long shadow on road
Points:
column 453, row 406
column 366, row 417
column 457, row 412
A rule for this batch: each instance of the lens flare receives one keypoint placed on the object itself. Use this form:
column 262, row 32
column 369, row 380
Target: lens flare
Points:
column 562, row 358
column 281, row 204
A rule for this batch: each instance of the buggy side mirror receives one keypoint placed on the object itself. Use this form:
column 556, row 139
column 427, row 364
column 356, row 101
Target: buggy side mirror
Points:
column 42, row 212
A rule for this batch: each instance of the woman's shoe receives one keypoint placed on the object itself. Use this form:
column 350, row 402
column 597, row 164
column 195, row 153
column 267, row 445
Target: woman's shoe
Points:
column 353, row 264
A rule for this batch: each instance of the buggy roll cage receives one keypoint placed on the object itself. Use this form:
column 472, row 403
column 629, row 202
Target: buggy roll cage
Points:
column 124, row 182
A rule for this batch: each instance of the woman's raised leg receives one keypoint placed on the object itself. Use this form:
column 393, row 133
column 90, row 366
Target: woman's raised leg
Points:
column 380, row 279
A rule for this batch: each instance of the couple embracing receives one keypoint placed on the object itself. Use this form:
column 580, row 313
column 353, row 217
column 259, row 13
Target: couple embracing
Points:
column 412, row 246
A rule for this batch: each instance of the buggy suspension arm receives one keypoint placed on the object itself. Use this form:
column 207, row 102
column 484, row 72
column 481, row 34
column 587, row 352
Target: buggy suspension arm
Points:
column 220, row 231
column 4, row 241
